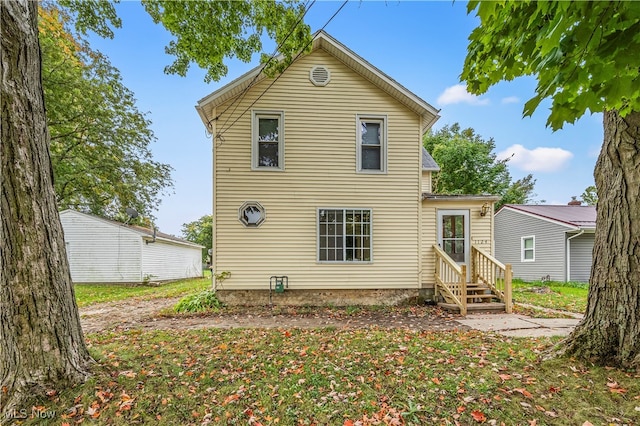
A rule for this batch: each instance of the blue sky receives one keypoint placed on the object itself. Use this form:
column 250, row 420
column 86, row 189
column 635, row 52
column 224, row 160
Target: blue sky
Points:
column 422, row 45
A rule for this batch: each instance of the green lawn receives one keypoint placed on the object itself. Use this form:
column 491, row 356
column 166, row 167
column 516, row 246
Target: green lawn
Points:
column 87, row 294
column 339, row 377
column 570, row 296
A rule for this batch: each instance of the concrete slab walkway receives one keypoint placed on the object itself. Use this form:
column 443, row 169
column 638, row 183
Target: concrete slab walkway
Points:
column 515, row 325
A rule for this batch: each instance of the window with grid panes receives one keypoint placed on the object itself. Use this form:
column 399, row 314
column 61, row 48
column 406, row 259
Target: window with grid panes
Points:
column 344, row 235
column 268, row 140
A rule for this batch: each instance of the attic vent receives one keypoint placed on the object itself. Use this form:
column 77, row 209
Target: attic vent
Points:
column 320, row 75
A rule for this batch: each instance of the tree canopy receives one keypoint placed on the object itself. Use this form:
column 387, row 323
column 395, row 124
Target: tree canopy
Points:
column 590, row 196
column 468, row 165
column 584, row 56
column 200, row 232
column 100, row 141
column 208, row 32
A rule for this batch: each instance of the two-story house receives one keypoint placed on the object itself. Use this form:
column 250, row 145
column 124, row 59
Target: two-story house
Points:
column 320, row 177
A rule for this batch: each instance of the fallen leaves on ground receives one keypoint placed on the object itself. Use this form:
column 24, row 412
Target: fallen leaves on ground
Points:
column 356, row 377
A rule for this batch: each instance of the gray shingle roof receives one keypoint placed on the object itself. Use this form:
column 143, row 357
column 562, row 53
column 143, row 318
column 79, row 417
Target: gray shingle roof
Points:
column 579, row 216
column 428, row 163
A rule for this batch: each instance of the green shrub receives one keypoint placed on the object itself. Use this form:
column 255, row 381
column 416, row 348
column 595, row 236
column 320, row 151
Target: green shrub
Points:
column 204, row 301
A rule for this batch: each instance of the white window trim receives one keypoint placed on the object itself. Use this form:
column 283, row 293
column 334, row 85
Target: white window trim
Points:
column 383, row 149
column 255, row 115
column 344, row 262
column 258, row 206
column 522, row 249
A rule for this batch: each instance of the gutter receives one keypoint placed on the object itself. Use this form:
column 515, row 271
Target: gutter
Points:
column 569, row 253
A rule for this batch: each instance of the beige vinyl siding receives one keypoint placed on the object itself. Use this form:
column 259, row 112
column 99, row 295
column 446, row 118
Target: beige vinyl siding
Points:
column 426, row 182
column 320, row 172
column 581, row 249
column 100, row 252
column 214, row 204
column 480, row 229
column 550, row 245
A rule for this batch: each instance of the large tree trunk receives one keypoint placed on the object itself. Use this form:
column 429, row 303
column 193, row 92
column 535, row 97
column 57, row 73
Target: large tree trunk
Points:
column 41, row 342
column 610, row 331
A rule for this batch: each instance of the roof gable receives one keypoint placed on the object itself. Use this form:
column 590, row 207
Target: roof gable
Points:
column 143, row 232
column 206, row 106
column 583, row 217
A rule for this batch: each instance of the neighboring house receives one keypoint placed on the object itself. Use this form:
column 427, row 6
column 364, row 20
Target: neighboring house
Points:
column 319, row 175
column 104, row 251
column 546, row 241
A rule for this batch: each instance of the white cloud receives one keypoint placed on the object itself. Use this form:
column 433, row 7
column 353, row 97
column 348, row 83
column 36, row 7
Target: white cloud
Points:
column 510, row 100
column 458, row 94
column 539, row 159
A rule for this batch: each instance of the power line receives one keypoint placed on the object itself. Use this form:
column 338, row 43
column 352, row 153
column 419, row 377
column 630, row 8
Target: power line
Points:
column 239, row 99
column 222, row 132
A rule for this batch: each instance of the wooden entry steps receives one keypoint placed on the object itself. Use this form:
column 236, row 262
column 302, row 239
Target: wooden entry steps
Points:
column 479, row 293
column 475, row 307
column 479, row 299
column 489, row 289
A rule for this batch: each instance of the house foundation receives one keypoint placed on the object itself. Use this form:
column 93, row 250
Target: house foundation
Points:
column 305, row 297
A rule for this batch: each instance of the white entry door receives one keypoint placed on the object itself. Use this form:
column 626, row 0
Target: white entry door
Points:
column 453, row 235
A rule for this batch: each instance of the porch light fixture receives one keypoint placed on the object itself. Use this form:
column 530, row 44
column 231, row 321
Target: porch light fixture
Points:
column 484, row 209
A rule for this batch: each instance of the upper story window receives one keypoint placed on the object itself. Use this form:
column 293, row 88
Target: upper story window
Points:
column 267, row 148
column 528, row 245
column 372, row 143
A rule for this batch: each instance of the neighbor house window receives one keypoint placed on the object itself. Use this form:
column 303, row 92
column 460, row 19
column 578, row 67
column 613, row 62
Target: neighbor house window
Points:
column 268, row 140
column 344, row 235
column 528, row 249
column 372, row 143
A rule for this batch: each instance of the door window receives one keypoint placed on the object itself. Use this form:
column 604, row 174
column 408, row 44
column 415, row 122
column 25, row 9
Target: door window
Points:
column 453, row 236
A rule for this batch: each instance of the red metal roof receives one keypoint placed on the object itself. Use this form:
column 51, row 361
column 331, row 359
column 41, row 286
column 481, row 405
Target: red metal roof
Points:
column 579, row 216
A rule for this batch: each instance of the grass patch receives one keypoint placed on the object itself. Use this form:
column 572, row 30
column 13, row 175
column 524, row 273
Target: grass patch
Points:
column 538, row 312
column 205, row 301
column 88, row 294
column 570, row 296
column 340, row 377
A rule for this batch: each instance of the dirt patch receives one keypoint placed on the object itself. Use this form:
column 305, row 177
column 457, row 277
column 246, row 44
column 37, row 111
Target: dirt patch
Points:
column 151, row 315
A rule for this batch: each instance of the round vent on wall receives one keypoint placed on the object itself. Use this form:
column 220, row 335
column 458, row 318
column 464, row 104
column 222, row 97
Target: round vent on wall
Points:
column 320, row 75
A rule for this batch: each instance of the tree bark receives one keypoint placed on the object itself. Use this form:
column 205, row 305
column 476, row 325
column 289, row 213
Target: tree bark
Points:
column 610, row 331
column 41, row 341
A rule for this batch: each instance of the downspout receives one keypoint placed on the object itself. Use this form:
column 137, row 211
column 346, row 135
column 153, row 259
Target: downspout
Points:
column 154, row 237
column 569, row 253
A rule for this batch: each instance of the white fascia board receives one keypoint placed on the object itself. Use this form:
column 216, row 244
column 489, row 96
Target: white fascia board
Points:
column 173, row 242
column 335, row 44
column 368, row 71
column 334, row 47
column 243, row 80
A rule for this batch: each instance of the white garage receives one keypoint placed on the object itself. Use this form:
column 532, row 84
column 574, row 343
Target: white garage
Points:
column 104, row 251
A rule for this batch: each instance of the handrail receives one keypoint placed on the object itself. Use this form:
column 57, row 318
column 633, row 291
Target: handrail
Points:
column 495, row 275
column 493, row 259
column 447, row 258
column 451, row 278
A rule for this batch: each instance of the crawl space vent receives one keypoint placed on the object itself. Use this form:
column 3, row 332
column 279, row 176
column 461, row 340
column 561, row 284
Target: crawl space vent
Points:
column 320, row 75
